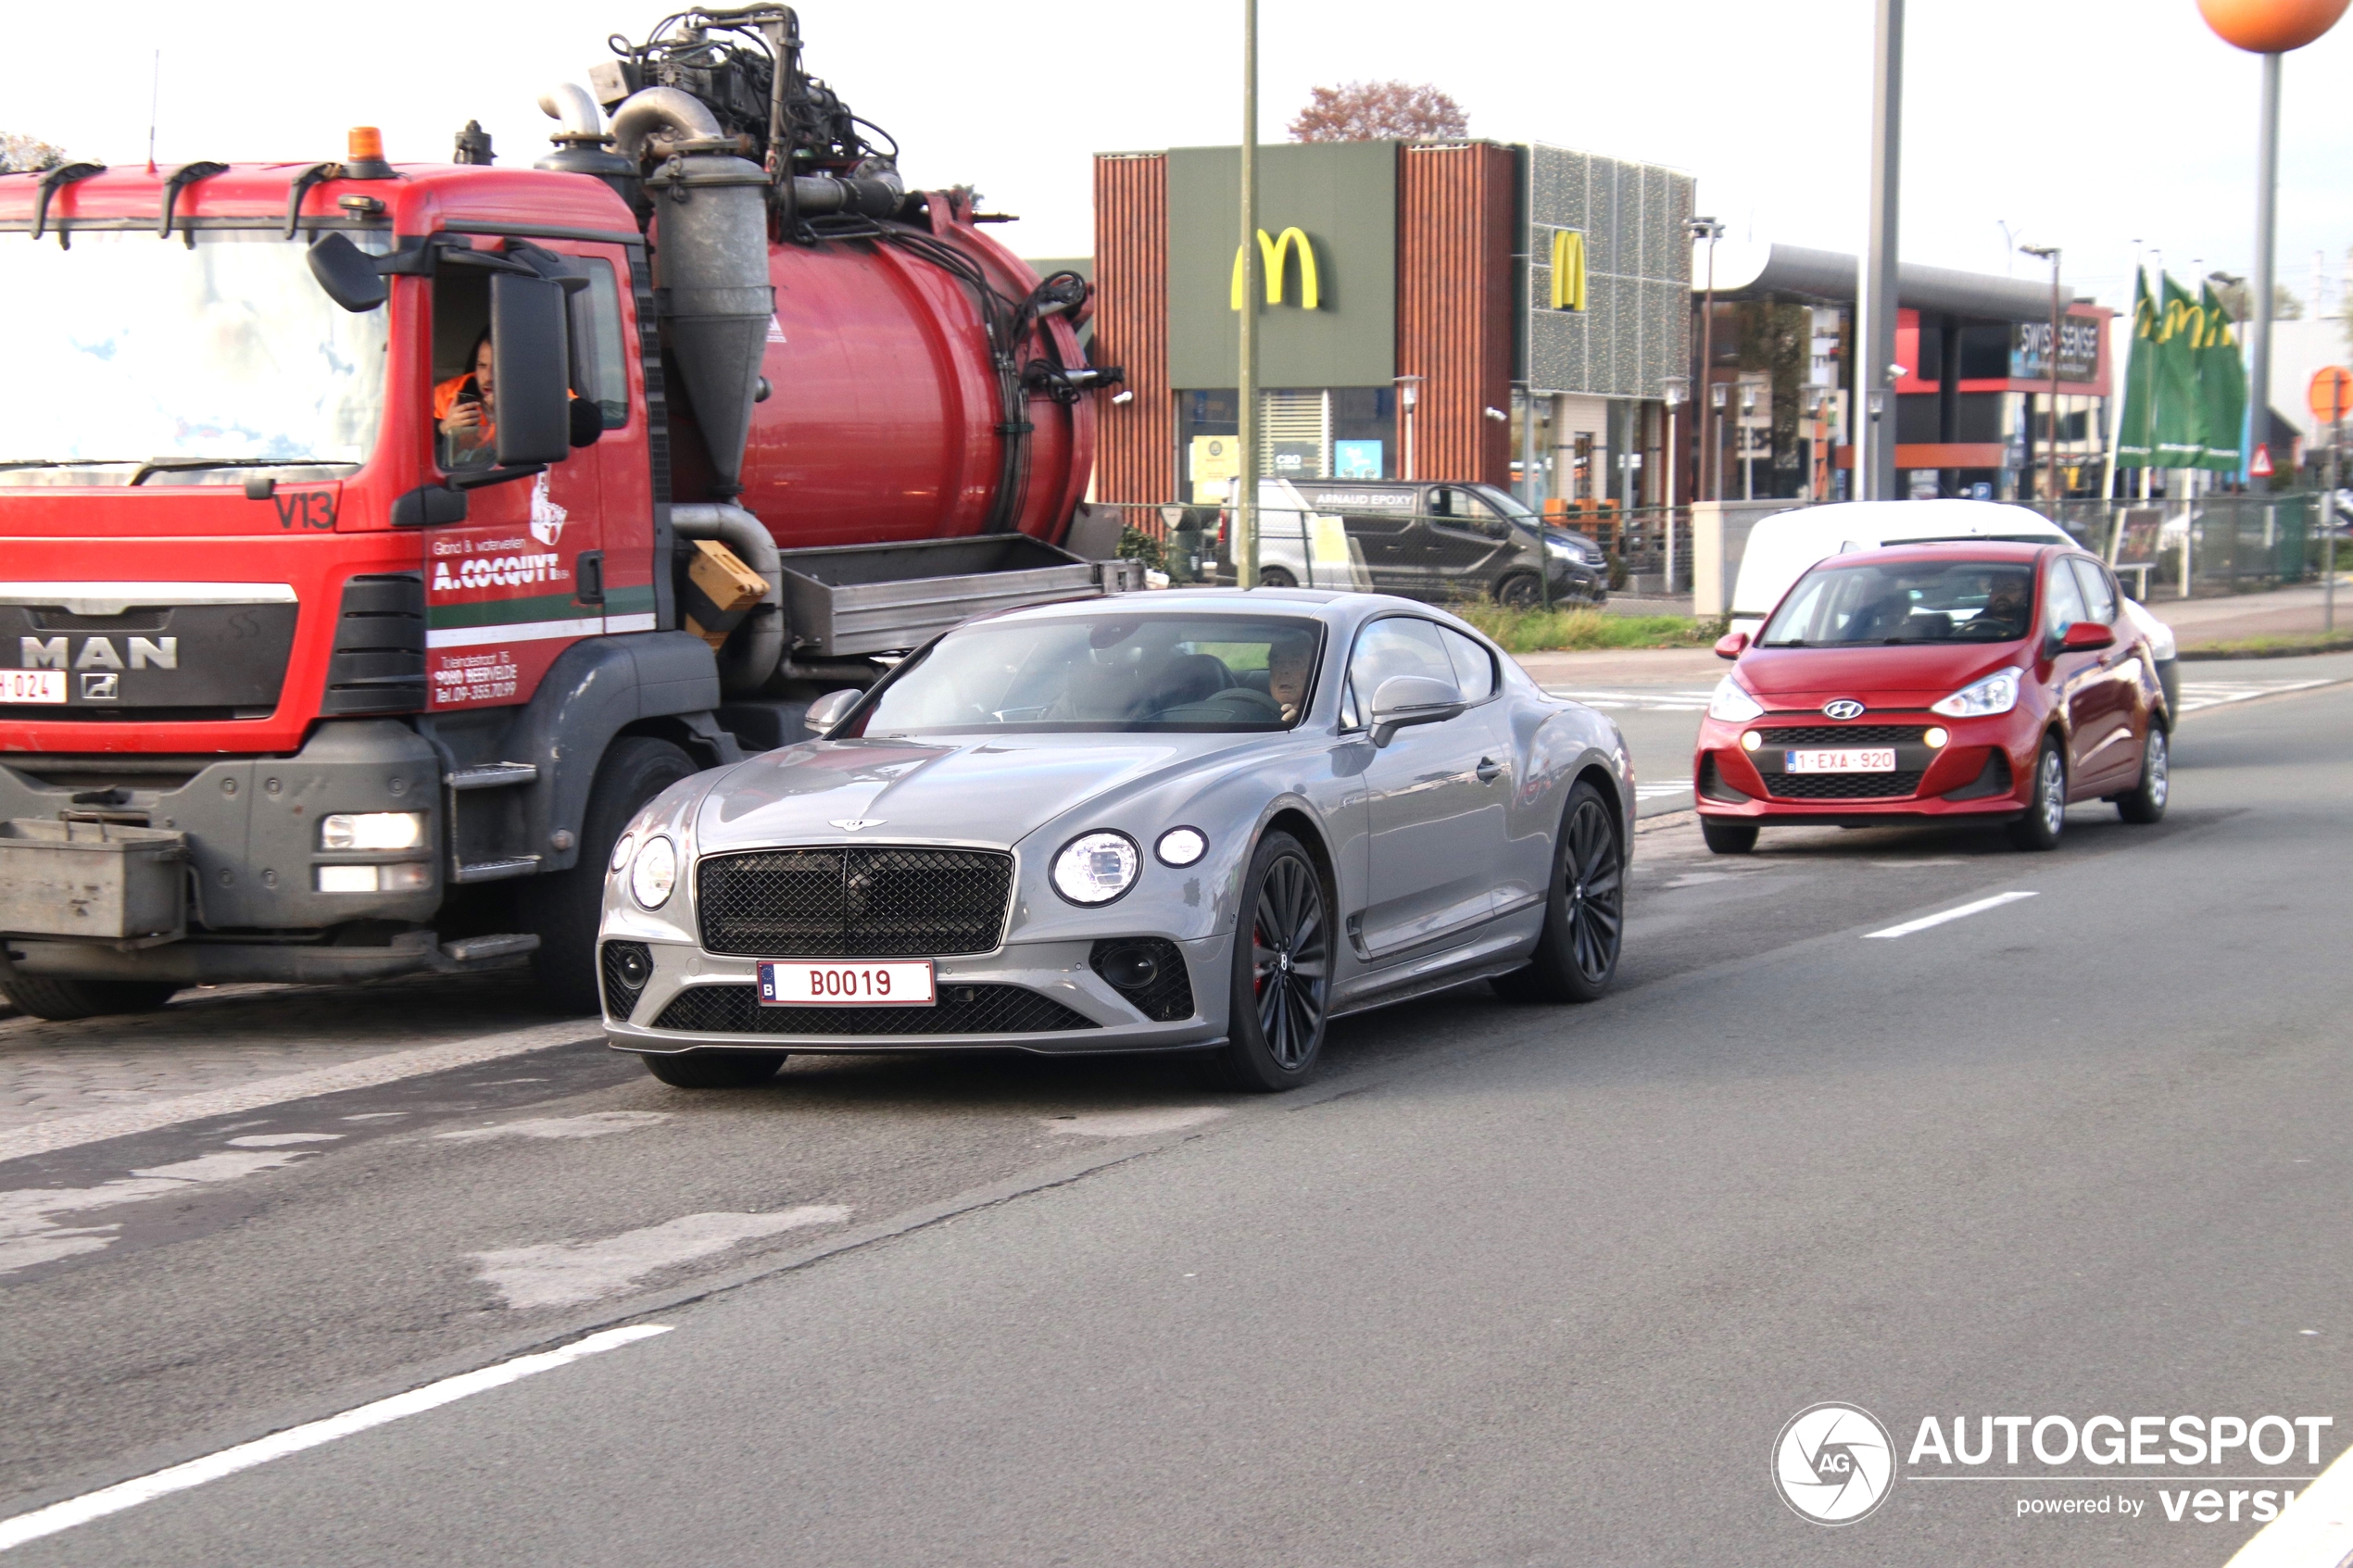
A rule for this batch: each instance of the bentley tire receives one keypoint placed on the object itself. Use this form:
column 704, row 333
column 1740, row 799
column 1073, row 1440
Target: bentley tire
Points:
column 1282, row 973
column 565, row 907
column 715, row 1070
column 1584, row 909
column 58, row 999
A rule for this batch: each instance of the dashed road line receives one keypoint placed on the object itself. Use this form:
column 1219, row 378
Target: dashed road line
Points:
column 1979, row 907
column 61, row 1516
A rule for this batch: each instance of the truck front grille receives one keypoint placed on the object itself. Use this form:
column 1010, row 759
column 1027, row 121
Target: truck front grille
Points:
column 881, row 902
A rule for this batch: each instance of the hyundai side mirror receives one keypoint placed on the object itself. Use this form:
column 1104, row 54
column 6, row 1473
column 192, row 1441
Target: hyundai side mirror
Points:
column 1731, row 645
column 830, row 709
column 1405, row 700
column 2087, row 636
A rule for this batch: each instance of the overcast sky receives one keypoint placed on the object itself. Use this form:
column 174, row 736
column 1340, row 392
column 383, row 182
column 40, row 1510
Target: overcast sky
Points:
column 2092, row 124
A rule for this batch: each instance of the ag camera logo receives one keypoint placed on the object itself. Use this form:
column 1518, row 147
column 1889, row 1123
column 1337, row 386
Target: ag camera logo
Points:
column 1833, row 1463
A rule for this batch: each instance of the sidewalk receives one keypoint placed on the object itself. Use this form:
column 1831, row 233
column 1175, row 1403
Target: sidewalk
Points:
column 2275, row 612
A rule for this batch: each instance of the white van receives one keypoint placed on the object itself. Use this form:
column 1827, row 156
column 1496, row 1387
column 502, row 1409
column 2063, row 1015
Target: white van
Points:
column 1782, row 547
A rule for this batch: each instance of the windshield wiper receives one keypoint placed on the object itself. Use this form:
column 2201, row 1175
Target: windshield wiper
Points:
column 189, row 465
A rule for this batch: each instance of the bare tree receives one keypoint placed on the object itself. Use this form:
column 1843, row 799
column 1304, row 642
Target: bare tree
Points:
column 1377, row 111
column 21, row 153
column 2236, row 300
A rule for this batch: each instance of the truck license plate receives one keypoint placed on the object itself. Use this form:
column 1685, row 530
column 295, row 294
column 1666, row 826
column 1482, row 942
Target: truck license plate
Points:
column 32, row 686
column 850, row 984
column 1876, row 760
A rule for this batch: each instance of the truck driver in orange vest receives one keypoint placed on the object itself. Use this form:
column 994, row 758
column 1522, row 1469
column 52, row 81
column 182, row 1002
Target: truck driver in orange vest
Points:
column 465, row 408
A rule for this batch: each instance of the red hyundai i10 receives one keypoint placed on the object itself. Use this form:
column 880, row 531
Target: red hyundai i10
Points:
column 1970, row 682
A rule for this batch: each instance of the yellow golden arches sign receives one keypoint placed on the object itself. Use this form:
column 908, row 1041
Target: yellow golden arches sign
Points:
column 1568, row 269
column 1275, row 256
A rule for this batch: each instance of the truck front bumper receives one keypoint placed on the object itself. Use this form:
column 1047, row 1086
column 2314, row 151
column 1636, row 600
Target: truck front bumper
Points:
column 251, row 904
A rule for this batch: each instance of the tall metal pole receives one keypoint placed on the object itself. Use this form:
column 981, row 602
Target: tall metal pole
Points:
column 2050, row 414
column 2328, row 523
column 1246, row 483
column 1708, row 453
column 1875, row 309
column 2267, row 190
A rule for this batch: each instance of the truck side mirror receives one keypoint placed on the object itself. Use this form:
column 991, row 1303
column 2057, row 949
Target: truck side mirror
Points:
column 531, row 363
column 348, row 275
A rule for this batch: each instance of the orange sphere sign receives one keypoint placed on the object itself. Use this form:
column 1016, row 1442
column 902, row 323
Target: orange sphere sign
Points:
column 2271, row 27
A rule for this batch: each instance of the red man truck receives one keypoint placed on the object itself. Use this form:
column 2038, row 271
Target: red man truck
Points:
column 350, row 512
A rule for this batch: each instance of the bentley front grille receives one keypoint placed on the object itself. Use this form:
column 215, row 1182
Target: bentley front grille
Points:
column 882, row 902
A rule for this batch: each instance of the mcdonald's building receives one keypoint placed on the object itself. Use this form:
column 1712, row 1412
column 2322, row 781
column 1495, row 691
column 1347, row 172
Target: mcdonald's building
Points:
column 1438, row 310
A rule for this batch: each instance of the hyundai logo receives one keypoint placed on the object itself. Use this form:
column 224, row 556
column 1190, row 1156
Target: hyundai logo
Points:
column 1844, row 707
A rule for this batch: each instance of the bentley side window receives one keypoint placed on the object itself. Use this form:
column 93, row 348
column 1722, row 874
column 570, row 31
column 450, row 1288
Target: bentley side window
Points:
column 1474, row 666
column 1397, row 644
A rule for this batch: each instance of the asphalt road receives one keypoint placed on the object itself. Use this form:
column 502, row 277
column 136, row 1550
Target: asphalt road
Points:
column 1509, row 1285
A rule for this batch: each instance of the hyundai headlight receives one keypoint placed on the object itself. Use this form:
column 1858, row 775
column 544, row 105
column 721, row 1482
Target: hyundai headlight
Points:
column 1995, row 693
column 371, row 830
column 654, row 873
column 1732, row 704
column 1095, row 868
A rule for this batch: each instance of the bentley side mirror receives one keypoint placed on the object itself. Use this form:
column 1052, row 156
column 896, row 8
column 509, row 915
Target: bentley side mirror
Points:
column 1405, row 700
column 1731, row 645
column 828, row 709
column 2087, row 636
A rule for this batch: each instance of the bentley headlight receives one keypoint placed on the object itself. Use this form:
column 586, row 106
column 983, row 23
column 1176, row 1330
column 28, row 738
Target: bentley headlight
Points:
column 1732, row 704
column 654, row 873
column 1095, row 868
column 1181, row 846
column 1995, row 693
column 622, row 848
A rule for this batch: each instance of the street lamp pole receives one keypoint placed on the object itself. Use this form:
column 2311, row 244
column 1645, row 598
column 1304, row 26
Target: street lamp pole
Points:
column 1708, row 229
column 2267, row 193
column 2050, row 415
column 1246, row 481
column 1875, row 323
column 1672, row 392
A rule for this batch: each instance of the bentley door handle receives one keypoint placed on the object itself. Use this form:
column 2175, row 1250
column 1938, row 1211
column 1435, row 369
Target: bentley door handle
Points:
column 1488, row 769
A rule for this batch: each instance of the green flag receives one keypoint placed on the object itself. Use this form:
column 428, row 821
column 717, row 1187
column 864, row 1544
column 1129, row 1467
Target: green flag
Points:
column 2221, row 387
column 2140, row 373
column 2176, row 420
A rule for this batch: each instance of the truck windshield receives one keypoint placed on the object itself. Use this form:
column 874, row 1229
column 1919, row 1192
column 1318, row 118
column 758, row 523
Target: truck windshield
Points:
column 1958, row 601
column 1113, row 673
column 134, row 359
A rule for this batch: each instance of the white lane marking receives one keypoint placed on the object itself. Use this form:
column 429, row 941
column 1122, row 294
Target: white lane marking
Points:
column 377, row 1116
column 1979, row 907
column 564, row 1274
column 595, row 1124
column 281, row 1140
column 59, row 1516
column 70, row 1131
column 2197, row 695
column 1133, row 1124
column 1911, row 865
column 1660, row 791
column 1693, row 701
column 2314, row 1530
column 29, row 1235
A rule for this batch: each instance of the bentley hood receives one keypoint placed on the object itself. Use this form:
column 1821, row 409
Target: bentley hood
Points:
column 992, row 791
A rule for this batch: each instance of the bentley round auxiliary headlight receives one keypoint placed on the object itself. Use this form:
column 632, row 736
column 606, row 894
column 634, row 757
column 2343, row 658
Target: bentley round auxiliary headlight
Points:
column 623, row 846
column 1096, row 868
column 1181, row 846
column 654, row 873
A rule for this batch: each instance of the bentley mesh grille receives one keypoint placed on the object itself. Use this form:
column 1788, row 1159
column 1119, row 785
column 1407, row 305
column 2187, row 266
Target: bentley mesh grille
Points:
column 620, row 997
column 1844, row 734
column 962, row 1009
column 1168, row 995
column 1843, row 786
column 882, row 902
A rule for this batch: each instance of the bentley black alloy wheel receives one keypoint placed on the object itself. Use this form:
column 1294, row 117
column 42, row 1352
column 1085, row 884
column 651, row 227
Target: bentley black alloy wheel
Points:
column 1282, row 971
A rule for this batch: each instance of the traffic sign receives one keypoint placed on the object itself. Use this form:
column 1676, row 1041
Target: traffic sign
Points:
column 2331, row 394
column 2261, row 467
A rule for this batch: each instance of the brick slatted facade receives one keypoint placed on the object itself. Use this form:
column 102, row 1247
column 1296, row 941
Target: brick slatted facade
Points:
column 1135, row 445
column 1456, row 211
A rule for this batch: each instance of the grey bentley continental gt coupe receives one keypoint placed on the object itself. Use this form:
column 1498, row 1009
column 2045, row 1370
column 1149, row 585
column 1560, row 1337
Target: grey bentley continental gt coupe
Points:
column 1194, row 821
